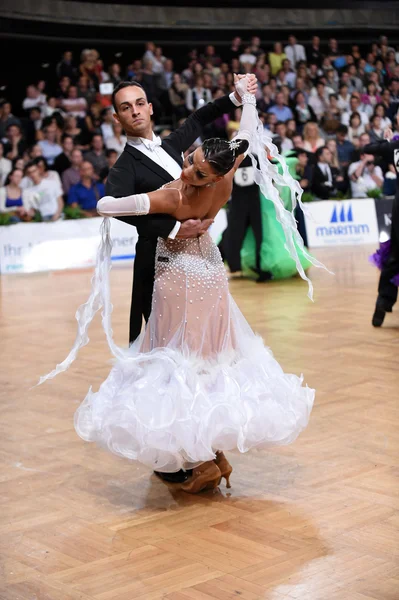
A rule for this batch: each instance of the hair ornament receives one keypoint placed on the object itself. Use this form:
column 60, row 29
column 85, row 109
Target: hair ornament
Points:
column 233, row 145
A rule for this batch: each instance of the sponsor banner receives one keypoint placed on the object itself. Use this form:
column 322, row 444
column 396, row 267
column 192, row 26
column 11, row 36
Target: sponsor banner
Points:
column 33, row 247
column 342, row 223
column 384, row 217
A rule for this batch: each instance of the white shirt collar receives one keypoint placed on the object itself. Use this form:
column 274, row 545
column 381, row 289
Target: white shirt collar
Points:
column 149, row 144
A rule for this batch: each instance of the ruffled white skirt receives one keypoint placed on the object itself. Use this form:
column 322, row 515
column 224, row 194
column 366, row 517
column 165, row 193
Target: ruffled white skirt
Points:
column 198, row 380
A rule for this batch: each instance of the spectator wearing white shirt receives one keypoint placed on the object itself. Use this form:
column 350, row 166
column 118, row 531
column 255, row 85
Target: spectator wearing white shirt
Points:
column 198, row 96
column 294, row 51
column 45, row 173
column 247, row 58
column 289, row 74
column 344, row 97
column 107, row 124
column 281, row 131
column 380, row 110
column 33, row 98
column 354, row 107
column 73, row 105
column 318, row 100
column 118, row 140
column 49, row 146
column 365, row 176
column 49, row 199
column 356, row 127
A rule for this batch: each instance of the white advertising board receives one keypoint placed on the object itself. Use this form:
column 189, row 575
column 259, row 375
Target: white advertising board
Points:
column 342, row 223
column 33, row 247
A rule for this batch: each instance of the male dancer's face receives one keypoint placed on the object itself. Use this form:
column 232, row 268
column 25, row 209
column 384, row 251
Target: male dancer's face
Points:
column 133, row 112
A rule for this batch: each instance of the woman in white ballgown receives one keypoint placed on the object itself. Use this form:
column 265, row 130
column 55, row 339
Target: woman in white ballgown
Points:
column 198, row 381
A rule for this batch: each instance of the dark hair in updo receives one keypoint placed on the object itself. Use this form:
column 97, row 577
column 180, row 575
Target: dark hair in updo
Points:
column 220, row 155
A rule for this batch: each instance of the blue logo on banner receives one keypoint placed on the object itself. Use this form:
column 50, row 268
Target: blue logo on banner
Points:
column 342, row 217
column 342, row 223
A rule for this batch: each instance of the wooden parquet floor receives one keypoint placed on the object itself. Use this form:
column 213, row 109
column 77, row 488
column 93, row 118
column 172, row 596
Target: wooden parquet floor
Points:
column 316, row 520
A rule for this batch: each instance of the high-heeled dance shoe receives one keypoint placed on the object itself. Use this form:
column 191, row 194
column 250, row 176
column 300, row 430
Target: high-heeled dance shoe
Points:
column 206, row 476
column 225, row 467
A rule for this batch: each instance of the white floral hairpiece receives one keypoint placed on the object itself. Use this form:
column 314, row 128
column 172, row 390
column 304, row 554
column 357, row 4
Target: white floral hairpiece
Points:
column 234, row 145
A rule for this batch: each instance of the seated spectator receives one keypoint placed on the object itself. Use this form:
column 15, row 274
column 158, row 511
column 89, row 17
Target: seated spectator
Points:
column 198, row 96
column 49, row 199
column 177, row 97
column 376, row 132
column 276, row 58
column 294, row 51
column 71, row 176
column 331, row 119
column 80, row 136
column 304, row 170
column 281, row 131
column 107, row 122
column 65, row 67
column 48, row 144
column 63, row 87
column 312, row 138
column 354, row 107
column 14, row 200
column 93, row 118
column 327, row 181
column 7, row 118
column 286, row 75
column 370, row 99
column 365, row 176
column 344, row 98
column 114, row 74
column 87, row 192
column 302, row 111
column 356, row 128
column 380, row 110
column 344, row 147
column 33, row 98
column 33, row 125
column 318, row 100
column 280, row 109
column 266, row 101
column 291, row 128
column 63, row 160
column 118, row 140
column 5, row 165
column 73, row 105
column 112, row 156
column 332, row 146
column 35, row 151
column 15, row 144
column 96, row 156
column 167, row 75
column 45, row 174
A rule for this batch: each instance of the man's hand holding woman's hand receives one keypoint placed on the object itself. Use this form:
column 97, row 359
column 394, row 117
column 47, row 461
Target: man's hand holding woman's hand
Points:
column 251, row 87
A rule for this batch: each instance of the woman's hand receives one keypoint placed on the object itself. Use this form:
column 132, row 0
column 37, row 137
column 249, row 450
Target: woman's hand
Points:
column 245, row 84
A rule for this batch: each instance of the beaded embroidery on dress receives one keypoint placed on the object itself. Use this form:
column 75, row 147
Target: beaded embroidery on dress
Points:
column 198, row 379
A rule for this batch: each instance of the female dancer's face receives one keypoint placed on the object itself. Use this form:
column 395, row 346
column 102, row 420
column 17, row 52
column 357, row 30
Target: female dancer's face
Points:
column 197, row 171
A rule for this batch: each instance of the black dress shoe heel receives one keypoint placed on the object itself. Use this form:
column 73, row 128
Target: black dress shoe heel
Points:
column 378, row 317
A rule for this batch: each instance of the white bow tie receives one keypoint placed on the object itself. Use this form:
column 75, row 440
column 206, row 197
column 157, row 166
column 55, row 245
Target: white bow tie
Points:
column 153, row 144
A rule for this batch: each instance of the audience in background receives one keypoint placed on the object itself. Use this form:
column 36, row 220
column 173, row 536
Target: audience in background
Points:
column 322, row 102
